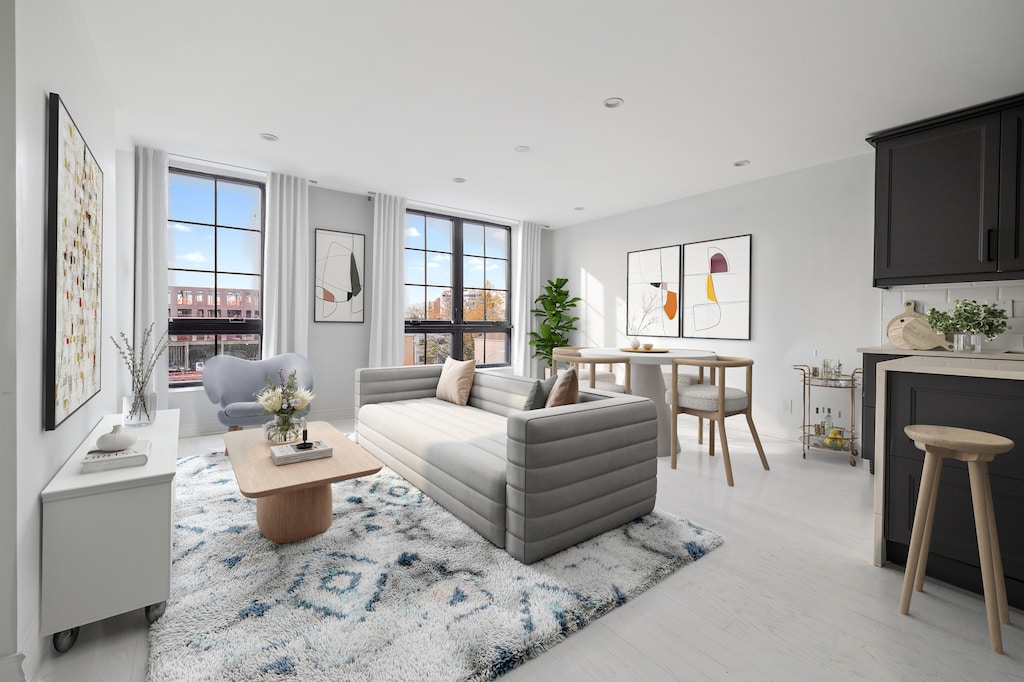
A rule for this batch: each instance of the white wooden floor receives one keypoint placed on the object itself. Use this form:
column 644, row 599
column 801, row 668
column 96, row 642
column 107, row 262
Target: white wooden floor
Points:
column 791, row 595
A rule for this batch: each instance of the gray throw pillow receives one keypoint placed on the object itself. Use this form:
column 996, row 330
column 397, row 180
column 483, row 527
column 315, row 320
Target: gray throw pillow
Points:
column 538, row 394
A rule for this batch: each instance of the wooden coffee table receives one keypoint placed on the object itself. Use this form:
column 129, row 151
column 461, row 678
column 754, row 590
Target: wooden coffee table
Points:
column 294, row 501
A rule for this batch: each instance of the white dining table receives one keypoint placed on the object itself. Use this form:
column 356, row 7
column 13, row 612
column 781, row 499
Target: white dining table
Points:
column 647, row 379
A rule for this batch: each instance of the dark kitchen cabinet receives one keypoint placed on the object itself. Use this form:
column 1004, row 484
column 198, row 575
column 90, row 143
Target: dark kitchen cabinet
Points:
column 947, row 197
column 868, row 402
column 984, row 404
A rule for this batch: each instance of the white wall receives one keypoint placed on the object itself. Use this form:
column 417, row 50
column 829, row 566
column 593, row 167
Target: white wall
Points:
column 336, row 349
column 9, row 663
column 811, row 274
column 53, row 54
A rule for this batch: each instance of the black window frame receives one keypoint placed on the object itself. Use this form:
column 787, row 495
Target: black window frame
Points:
column 216, row 326
column 457, row 327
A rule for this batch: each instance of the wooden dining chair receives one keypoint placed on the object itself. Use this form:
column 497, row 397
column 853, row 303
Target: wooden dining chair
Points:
column 714, row 401
column 588, row 368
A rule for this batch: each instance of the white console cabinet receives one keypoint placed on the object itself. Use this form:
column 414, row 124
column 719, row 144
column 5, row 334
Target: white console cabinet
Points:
column 107, row 534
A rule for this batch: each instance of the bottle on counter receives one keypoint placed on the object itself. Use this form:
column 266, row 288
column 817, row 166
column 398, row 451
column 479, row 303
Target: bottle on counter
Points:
column 826, row 422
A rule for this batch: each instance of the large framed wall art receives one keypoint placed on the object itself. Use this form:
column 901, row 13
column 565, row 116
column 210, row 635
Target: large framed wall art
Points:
column 338, row 289
column 652, row 292
column 74, row 267
column 716, row 289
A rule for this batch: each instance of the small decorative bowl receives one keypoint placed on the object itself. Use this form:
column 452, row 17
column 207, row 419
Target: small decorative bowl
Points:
column 648, row 346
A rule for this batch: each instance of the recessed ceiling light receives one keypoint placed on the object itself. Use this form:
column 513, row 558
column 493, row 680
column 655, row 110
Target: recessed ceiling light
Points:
column 741, row 162
column 269, row 137
column 459, row 180
column 581, row 208
column 613, row 102
column 522, row 149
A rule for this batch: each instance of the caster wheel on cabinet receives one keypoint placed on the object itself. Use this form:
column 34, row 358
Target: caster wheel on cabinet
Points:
column 64, row 640
column 154, row 611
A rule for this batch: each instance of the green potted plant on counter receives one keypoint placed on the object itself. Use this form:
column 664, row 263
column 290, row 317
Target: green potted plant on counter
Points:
column 969, row 322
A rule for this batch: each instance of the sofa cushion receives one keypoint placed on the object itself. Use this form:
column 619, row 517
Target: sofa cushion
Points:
column 447, row 450
column 566, row 390
column 456, row 381
column 538, row 395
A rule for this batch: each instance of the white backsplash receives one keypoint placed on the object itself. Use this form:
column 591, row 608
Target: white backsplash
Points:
column 942, row 296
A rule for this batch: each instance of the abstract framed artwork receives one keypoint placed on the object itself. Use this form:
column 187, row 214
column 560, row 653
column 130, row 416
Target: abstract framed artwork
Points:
column 338, row 291
column 652, row 292
column 716, row 289
column 74, row 267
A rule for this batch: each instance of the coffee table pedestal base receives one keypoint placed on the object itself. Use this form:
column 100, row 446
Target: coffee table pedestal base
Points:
column 295, row 515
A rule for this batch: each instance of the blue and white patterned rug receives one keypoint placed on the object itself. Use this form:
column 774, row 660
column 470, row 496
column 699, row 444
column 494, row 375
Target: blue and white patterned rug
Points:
column 396, row 589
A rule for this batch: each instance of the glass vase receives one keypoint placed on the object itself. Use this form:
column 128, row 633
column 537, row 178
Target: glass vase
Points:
column 284, row 428
column 138, row 409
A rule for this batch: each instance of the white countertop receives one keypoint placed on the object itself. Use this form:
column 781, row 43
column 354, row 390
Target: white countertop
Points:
column 984, row 355
column 991, row 367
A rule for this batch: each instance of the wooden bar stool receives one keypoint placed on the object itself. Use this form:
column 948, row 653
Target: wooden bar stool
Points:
column 977, row 448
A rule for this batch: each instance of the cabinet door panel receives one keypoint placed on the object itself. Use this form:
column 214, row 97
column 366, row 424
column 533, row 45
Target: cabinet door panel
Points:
column 992, row 405
column 936, row 202
column 1011, row 189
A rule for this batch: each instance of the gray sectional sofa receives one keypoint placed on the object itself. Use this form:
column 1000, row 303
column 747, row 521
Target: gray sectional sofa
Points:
column 532, row 482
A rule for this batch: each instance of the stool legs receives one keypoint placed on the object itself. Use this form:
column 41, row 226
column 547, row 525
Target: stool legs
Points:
column 997, row 556
column 929, row 522
column 929, row 478
column 983, row 516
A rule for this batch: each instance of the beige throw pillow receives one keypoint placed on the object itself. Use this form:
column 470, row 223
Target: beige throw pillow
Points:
column 566, row 390
column 456, row 381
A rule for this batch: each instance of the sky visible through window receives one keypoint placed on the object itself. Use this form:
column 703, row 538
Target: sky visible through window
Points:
column 191, row 247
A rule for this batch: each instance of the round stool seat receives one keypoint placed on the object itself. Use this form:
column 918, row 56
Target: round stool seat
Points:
column 962, row 444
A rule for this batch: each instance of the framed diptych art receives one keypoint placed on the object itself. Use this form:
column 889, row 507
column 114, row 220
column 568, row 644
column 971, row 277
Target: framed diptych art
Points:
column 74, row 267
column 716, row 289
column 652, row 292
column 338, row 286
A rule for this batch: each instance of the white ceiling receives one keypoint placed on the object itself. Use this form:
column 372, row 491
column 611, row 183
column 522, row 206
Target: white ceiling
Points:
column 401, row 96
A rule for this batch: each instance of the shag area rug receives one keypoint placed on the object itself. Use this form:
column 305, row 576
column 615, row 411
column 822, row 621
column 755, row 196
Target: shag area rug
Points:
column 396, row 589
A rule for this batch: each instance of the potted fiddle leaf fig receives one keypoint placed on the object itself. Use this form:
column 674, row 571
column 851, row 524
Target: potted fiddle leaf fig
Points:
column 969, row 319
column 553, row 308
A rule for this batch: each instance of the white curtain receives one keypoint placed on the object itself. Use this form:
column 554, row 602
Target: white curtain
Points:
column 150, row 306
column 526, row 286
column 387, row 280
column 287, row 267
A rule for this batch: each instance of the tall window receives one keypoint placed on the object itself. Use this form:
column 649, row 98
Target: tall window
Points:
column 214, row 265
column 456, row 290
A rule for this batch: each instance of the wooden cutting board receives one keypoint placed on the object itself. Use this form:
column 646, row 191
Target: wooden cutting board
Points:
column 921, row 336
column 894, row 330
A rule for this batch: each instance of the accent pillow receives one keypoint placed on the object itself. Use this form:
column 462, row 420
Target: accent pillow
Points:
column 538, row 395
column 456, row 380
column 566, row 390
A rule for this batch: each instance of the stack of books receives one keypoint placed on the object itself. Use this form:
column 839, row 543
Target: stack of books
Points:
column 288, row 454
column 99, row 460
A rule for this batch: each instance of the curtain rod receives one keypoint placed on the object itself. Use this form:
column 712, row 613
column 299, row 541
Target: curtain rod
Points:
column 215, row 163
column 457, row 210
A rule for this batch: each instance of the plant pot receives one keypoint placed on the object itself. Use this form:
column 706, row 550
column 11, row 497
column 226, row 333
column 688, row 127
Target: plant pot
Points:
column 967, row 343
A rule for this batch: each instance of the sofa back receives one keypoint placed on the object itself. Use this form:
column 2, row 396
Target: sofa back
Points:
column 494, row 390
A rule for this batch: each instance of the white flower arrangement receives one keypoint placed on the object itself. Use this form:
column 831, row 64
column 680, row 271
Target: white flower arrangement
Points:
column 283, row 398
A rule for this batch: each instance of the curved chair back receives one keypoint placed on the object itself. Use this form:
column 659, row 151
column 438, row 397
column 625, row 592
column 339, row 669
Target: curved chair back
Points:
column 232, row 383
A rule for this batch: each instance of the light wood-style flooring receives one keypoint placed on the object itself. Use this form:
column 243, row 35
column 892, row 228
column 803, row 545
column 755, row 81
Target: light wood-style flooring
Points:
column 791, row 595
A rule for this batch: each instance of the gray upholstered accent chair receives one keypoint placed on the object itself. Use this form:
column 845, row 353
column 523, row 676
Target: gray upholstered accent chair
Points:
column 714, row 401
column 232, row 383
